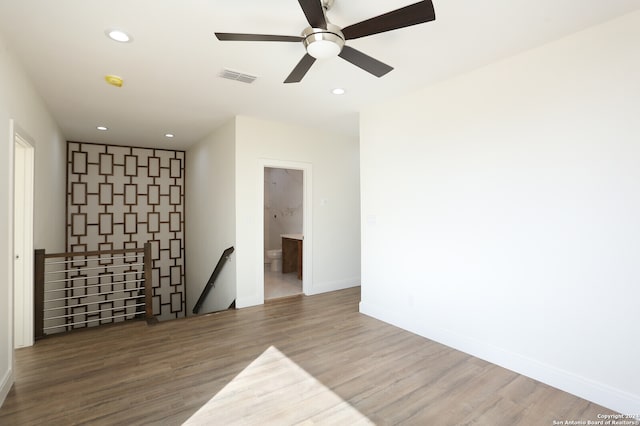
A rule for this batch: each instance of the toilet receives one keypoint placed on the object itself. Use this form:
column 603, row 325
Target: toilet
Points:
column 275, row 259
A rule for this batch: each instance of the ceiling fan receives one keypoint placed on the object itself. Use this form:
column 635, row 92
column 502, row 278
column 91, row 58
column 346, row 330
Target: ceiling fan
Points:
column 323, row 39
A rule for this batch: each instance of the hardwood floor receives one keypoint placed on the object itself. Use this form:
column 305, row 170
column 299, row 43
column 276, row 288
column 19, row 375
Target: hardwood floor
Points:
column 305, row 360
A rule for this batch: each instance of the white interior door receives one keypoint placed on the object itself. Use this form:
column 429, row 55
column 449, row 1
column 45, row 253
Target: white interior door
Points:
column 23, row 243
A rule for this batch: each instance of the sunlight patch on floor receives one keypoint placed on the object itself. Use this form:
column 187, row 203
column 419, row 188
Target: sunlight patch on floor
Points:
column 275, row 390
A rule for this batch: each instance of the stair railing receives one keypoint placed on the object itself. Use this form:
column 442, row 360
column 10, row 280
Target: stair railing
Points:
column 211, row 283
column 85, row 289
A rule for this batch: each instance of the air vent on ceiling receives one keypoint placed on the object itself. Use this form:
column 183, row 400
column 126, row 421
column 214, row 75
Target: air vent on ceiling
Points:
column 238, row 76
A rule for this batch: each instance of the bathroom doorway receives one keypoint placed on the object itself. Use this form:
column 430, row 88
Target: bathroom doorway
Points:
column 283, row 232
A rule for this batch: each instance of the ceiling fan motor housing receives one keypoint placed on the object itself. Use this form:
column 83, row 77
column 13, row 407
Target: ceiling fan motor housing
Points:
column 321, row 43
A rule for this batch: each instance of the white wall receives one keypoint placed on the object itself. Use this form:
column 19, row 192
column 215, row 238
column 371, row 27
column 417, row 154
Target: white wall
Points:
column 283, row 212
column 501, row 212
column 335, row 212
column 20, row 101
column 210, row 218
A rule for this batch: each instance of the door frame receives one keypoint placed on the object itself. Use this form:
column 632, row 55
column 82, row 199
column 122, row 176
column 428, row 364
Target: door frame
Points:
column 307, row 252
column 23, row 163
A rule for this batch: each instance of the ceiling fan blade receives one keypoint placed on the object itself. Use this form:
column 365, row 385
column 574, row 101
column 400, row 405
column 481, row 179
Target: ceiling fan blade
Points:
column 255, row 37
column 301, row 69
column 413, row 14
column 314, row 12
column 365, row 62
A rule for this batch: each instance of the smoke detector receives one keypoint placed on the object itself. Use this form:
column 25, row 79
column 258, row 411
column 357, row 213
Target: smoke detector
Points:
column 114, row 80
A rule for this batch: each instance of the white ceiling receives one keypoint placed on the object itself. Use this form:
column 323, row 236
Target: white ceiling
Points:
column 171, row 68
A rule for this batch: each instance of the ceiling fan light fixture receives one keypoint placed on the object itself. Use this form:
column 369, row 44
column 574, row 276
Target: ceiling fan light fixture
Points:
column 323, row 49
column 323, row 44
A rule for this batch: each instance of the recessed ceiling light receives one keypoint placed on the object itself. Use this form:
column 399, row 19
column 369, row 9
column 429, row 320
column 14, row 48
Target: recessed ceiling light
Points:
column 118, row 35
column 103, row 128
column 338, row 91
column 169, row 135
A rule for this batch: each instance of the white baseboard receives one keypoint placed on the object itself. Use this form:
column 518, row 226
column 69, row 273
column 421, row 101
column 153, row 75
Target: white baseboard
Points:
column 326, row 287
column 247, row 302
column 599, row 393
column 316, row 288
column 5, row 385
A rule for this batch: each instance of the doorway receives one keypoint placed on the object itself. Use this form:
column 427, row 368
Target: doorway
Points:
column 23, row 175
column 283, row 213
column 286, row 212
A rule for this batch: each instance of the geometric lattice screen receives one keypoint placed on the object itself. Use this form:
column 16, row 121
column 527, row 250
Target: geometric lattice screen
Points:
column 122, row 197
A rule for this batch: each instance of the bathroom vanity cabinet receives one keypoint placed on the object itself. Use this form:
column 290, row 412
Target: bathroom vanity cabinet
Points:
column 292, row 253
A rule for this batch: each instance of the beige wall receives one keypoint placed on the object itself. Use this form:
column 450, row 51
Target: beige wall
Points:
column 20, row 101
column 210, row 217
column 335, row 203
column 225, row 186
column 500, row 213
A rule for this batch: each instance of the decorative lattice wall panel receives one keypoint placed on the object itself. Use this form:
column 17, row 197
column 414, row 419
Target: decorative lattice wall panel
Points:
column 121, row 197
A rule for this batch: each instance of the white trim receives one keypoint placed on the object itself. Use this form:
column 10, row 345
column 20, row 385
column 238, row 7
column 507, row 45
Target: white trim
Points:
column 307, row 205
column 334, row 285
column 590, row 390
column 5, row 385
column 7, row 379
column 245, row 302
column 24, row 337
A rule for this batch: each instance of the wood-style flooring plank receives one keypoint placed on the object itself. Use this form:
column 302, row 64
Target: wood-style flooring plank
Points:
column 303, row 360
